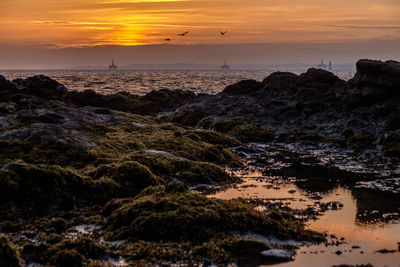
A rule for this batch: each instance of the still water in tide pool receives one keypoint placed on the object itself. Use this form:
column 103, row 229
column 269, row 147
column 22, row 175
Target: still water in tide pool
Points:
column 143, row 81
column 361, row 221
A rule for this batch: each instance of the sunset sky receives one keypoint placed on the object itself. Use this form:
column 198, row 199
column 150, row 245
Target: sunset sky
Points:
column 81, row 23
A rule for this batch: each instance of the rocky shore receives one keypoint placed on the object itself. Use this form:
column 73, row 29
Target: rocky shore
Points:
column 118, row 179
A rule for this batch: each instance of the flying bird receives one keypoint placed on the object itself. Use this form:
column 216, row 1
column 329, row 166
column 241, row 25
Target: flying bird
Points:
column 223, row 33
column 168, row 39
column 183, row 34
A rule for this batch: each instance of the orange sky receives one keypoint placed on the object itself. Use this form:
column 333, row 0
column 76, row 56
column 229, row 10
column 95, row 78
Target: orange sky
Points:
column 66, row 23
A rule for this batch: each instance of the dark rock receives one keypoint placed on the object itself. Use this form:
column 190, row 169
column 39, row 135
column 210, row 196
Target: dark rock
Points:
column 376, row 79
column 104, row 111
column 242, row 87
column 44, row 134
column 278, row 255
column 161, row 100
column 391, row 145
column 386, row 251
column 42, row 86
column 347, row 133
column 320, row 79
column 51, row 118
column 58, row 224
column 5, row 84
column 68, row 258
column 207, row 263
column 363, row 140
column 280, row 81
column 338, row 252
column 393, row 121
column 9, row 256
column 340, row 142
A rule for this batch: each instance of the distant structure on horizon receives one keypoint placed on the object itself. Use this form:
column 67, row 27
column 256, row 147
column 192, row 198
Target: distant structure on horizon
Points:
column 330, row 65
column 225, row 66
column 112, row 66
column 322, row 65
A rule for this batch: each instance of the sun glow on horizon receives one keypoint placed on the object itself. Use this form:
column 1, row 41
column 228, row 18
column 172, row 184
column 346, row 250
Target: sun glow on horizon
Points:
column 134, row 22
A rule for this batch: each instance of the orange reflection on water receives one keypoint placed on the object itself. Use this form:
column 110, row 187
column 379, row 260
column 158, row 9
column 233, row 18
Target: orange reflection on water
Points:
column 342, row 223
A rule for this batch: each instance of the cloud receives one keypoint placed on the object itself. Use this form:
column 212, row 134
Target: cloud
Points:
column 366, row 27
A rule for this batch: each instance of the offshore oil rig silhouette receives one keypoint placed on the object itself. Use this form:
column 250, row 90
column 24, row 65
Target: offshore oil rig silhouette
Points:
column 324, row 66
column 112, row 66
column 225, row 66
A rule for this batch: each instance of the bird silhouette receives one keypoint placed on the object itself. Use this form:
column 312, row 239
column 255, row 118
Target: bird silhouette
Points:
column 168, row 39
column 223, row 33
column 183, row 34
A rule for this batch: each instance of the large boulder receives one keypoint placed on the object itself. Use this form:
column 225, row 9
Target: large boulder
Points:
column 42, row 86
column 376, row 79
column 242, row 87
column 281, row 81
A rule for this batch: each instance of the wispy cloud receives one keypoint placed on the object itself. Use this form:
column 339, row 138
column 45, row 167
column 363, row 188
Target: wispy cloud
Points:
column 366, row 27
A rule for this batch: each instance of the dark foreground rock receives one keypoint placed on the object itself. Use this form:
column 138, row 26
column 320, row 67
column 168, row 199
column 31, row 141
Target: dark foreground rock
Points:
column 9, row 256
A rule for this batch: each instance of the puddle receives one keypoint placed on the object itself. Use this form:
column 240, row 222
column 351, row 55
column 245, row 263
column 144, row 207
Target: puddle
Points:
column 366, row 219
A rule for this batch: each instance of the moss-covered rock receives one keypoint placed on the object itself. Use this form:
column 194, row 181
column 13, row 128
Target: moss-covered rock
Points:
column 49, row 185
column 68, row 258
column 308, row 136
column 9, row 256
column 214, row 138
column 156, row 215
column 391, row 145
column 363, row 140
column 58, row 224
column 130, row 177
column 12, row 150
column 242, row 129
column 231, row 248
column 187, row 171
column 189, row 118
column 85, row 246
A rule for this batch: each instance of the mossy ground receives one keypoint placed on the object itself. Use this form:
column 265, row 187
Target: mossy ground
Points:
column 128, row 155
column 142, row 168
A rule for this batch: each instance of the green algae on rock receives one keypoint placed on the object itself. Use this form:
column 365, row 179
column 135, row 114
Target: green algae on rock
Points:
column 241, row 128
column 156, row 215
column 363, row 140
column 29, row 183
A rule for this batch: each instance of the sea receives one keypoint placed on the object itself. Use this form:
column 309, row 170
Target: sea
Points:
column 143, row 81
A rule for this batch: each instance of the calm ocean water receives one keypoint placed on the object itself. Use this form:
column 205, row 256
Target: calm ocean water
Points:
column 143, row 81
